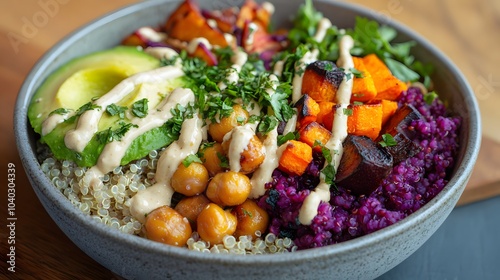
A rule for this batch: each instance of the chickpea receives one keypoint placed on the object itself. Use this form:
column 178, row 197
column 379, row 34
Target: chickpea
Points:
column 191, row 180
column 212, row 158
column 252, row 157
column 190, row 207
column 229, row 188
column 239, row 116
column 251, row 218
column 214, row 223
column 166, row 225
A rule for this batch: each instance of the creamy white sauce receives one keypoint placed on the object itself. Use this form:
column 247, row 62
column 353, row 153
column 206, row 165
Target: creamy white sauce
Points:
column 150, row 34
column 252, row 29
column 193, row 44
column 161, row 52
column 52, row 121
column 240, row 136
column 308, row 58
column 239, row 58
column 78, row 138
column 291, row 124
column 264, row 173
column 309, row 208
column 278, row 68
column 268, row 7
column 114, row 151
column 161, row 192
column 230, row 39
column 323, row 26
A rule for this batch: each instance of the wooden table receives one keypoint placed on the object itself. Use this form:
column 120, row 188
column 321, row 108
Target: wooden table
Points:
column 465, row 30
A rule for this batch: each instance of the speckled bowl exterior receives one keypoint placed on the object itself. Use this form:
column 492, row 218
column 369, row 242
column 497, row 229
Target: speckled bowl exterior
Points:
column 133, row 257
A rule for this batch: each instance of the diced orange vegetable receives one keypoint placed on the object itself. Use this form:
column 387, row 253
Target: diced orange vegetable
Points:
column 321, row 80
column 388, row 86
column 365, row 120
column 295, row 157
column 307, row 109
column 253, row 12
column 187, row 23
column 134, row 40
column 388, row 109
column 325, row 108
column 313, row 132
column 363, row 89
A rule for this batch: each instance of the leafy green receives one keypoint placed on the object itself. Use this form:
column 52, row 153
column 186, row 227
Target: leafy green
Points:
column 117, row 134
column 289, row 136
column 430, row 96
column 190, row 159
column 115, row 110
column 370, row 37
column 59, row 111
column 140, row 108
column 388, row 140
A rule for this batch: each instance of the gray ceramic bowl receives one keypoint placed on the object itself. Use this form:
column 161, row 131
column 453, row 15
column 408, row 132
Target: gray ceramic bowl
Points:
column 134, row 257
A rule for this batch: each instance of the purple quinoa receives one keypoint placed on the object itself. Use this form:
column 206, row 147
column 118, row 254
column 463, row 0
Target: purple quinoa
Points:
column 410, row 185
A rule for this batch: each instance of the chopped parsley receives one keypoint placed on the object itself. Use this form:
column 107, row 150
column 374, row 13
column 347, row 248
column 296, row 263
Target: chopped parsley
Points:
column 348, row 111
column 356, row 73
column 267, row 124
column 190, row 159
column 387, row 140
column 140, row 108
column 115, row 110
column 86, row 107
column 289, row 136
column 224, row 161
column 117, row 134
column 430, row 96
column 59, row 111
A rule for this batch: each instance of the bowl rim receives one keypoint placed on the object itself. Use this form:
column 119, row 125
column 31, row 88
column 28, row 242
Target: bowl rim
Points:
column 22, row 131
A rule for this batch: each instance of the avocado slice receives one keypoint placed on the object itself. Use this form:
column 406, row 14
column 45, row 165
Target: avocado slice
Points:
column 85, row 78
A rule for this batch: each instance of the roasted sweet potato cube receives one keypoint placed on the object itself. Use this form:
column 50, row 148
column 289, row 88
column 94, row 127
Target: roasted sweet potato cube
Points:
column 253, row 12
column 389, row 107
column 363, row 88
column 321, row 80
column 399, row 127
column 388, row 86
column 313, row 132
column 307, row 110
column 187, row 23
column 363, row 165
column 225, row 19
column 295, row 158
column 365, row 119
column 325, row 108
column 134, row 39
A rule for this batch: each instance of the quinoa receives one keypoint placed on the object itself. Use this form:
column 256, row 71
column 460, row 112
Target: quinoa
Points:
column 409, row 186
column 109, row 202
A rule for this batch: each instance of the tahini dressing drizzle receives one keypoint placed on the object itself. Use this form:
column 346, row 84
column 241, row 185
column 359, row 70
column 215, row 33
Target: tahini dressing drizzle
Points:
column 78, row 138
column 190, row 138
column 309, row 208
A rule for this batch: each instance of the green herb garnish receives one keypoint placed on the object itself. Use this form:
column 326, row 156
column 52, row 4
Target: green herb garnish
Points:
column 140, row 108
column 113, row 110
column 387, row 140
column 430, row 96
column 59, row 111
column 190, row 159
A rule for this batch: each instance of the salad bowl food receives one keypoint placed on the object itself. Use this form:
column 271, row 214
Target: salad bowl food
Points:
column 170, row 139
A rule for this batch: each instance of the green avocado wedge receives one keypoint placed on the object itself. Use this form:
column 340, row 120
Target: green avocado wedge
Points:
column 87, row 78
